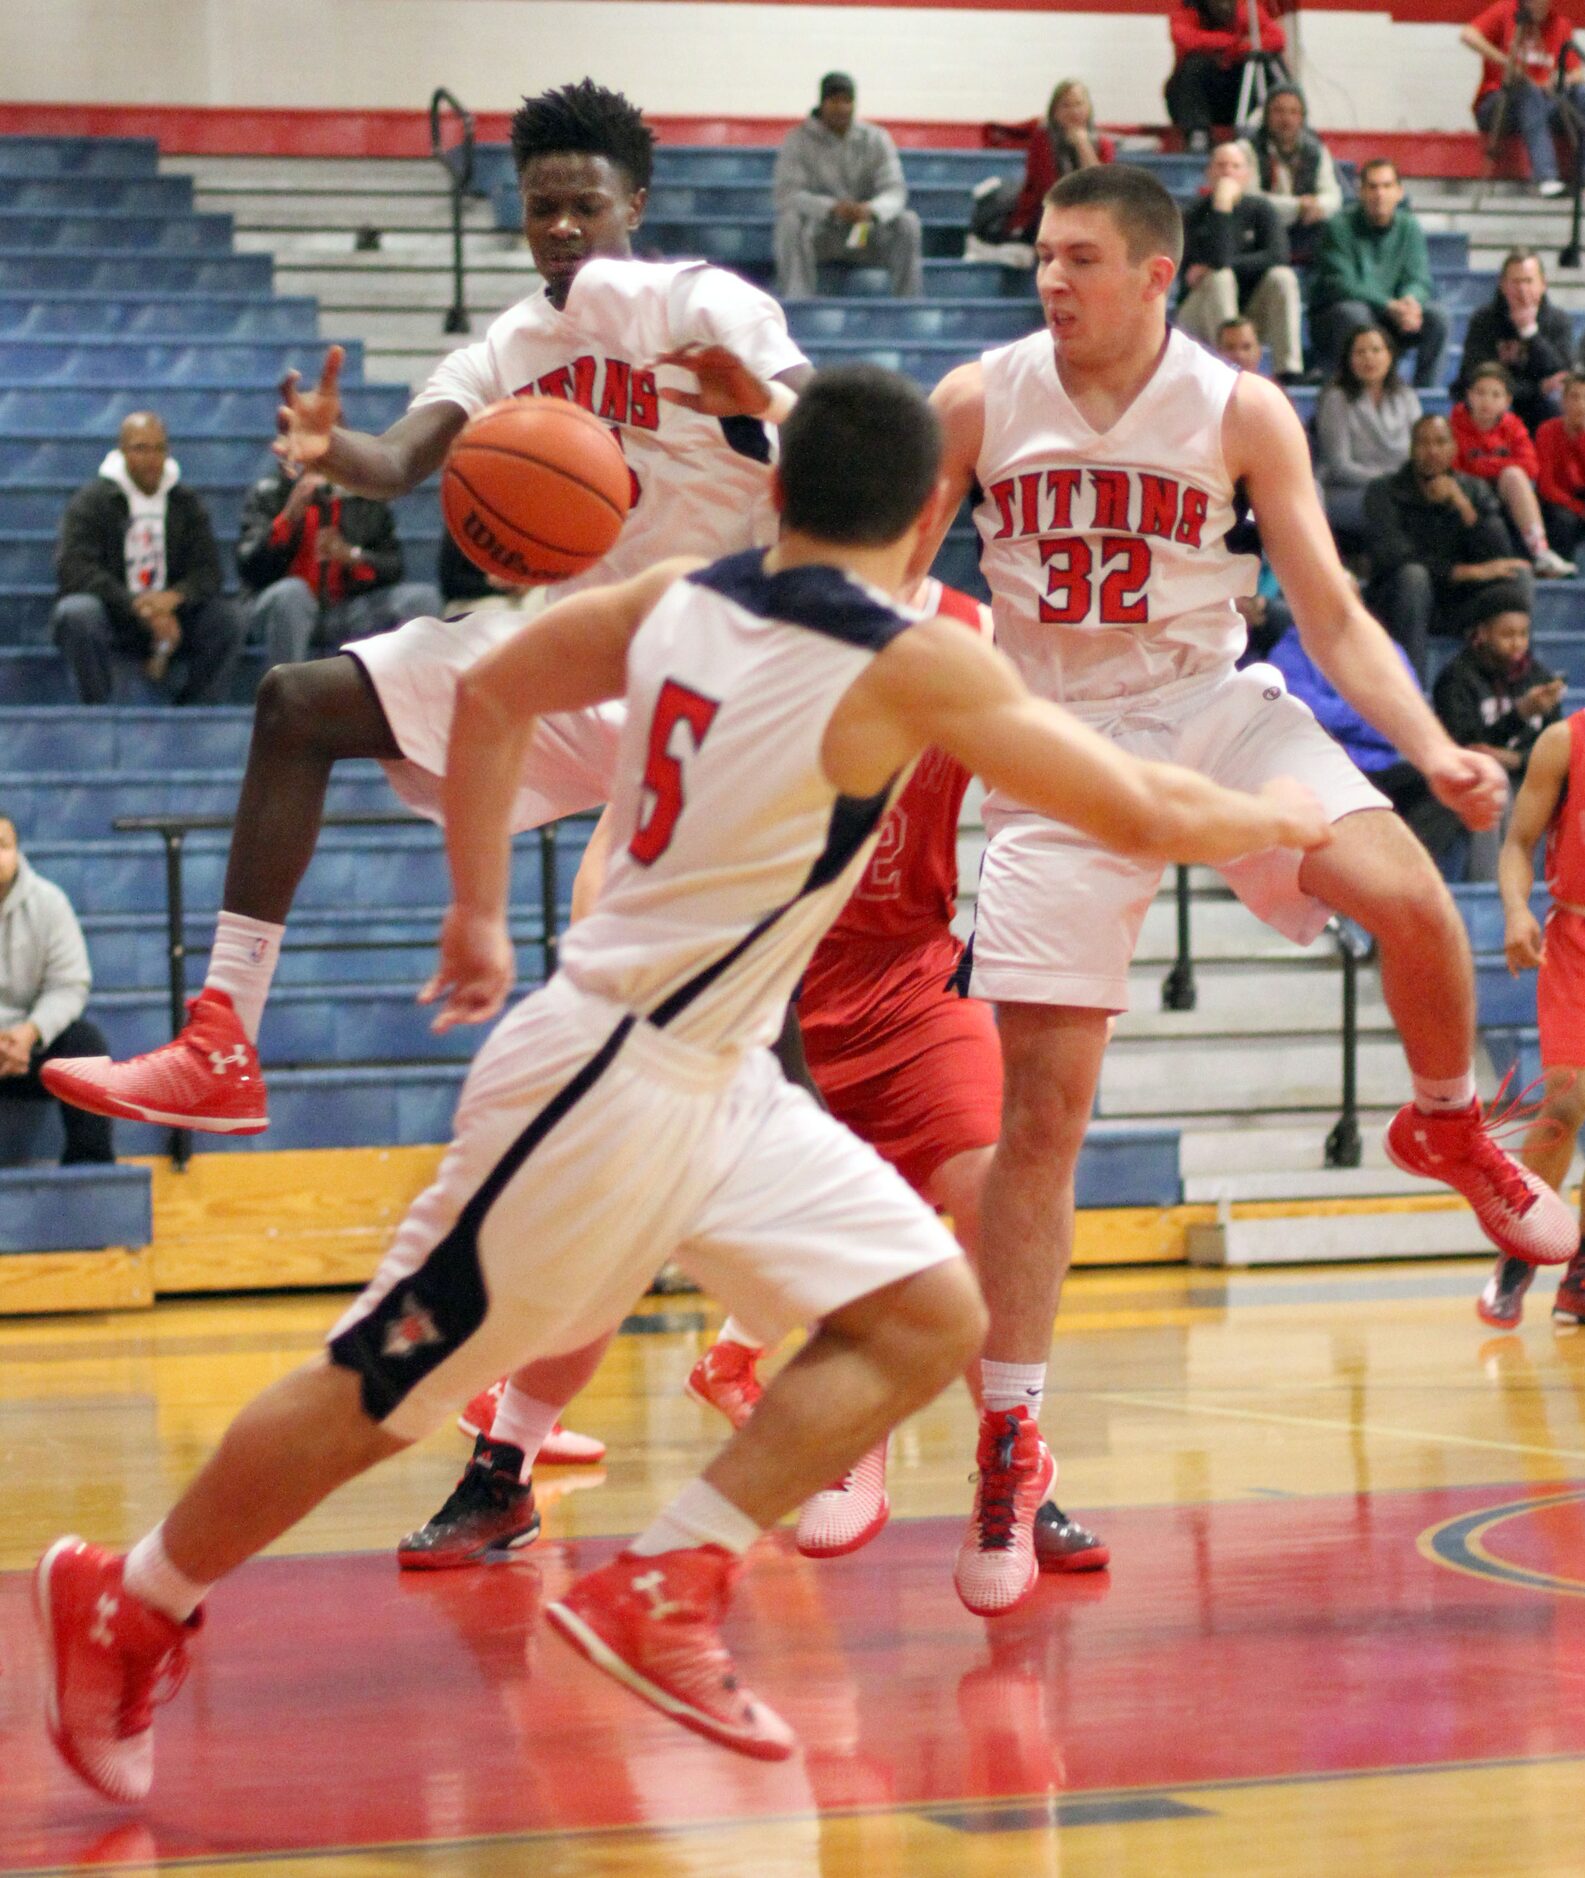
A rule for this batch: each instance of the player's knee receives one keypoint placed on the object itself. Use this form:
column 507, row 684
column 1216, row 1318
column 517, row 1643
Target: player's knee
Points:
column 1045, row 1123
column 282, row 712
column 932, row 1325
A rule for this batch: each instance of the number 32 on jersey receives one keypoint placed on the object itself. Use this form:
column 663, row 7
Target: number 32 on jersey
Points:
column 677, row 731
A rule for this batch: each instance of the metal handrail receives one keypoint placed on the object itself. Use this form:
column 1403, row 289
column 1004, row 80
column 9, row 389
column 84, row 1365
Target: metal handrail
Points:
column 1354, row 946
column 1178, row 991
column 457, row 161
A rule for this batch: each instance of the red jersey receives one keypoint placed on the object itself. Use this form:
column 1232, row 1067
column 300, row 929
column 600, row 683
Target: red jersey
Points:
column 1565, row 841
column 910, row 887
column 1487, row 453
column 1562, row 461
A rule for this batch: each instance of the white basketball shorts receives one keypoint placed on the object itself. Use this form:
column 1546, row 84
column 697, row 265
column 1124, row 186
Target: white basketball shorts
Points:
column 1058, row 915
column 588, row 1148
column 414, row 670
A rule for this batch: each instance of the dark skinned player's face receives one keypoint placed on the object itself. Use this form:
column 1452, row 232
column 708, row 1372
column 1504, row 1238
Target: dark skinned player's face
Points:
column 576, row 206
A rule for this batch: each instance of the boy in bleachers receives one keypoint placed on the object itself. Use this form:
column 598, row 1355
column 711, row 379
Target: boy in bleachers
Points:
column 1495, row 446
column 1496, row 696
column 1560, row 452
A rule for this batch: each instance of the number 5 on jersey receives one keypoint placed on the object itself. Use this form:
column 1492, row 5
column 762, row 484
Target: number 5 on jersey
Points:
column 679, row 727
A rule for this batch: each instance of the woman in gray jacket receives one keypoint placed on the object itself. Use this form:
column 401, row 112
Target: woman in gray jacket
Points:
column 1362, row 425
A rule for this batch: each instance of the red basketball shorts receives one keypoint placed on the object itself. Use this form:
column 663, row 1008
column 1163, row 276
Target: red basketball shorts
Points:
column 902, row 1059
column 1560, row 992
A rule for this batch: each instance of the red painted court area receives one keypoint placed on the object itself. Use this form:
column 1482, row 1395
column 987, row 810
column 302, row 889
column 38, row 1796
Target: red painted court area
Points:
column 333, row 1702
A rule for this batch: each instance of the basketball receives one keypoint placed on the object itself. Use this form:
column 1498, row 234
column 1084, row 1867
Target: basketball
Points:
column 535, row 489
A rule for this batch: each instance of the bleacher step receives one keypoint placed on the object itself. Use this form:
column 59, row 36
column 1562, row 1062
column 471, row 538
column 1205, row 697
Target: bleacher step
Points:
column 1349, row 1231
column 68, row 1209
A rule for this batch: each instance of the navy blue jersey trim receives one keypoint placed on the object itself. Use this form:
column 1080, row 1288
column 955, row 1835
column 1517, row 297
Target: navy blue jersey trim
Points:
column 427, row 1317
column 820, row 599
column 748, row 437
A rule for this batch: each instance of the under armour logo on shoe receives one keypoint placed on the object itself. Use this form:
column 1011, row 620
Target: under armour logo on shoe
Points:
column 1430, row 1153
column 99, row 1631
column 234, row 1058
column 411, row 1331
column 650, row 1587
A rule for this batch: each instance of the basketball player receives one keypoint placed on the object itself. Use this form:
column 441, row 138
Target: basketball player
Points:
column 775, row 703
column 1109, row 455
column 590, row 333
column 1554, row 779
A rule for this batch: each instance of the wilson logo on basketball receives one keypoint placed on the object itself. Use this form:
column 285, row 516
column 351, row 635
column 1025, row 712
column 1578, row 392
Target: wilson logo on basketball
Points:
column 610, row 389
column 502, row 556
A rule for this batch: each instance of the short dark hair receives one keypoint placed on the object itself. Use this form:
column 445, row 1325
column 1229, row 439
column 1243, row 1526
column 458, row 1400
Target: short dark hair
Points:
column 1379, row 163
column 589, row 120
column 1516, row 257
column 1491, row 369
column 1145, row 214
column 1427, row 417
column 1236, row 319
column 859, row 456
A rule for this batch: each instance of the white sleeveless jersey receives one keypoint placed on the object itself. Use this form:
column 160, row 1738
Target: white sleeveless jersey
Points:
column 701, row 485
column 732, row 852
column 1105, row 554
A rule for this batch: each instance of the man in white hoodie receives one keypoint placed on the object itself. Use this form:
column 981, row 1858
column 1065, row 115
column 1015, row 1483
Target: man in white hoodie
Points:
column 139, row 574
column 44, row 984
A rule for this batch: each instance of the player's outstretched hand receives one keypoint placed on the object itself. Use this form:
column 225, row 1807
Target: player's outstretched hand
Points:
column 1473, row 785
column 476, row 971
column 727, row 387
column 1522, row 943
column 305, row 419
column 1302, row 823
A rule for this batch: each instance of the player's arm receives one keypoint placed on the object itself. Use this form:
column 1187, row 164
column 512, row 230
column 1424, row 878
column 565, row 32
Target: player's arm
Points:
column 572, row 656
column 1264, row 447
column 937, row 684
column 959, row 404
column 311, row 437
column 1533, row 810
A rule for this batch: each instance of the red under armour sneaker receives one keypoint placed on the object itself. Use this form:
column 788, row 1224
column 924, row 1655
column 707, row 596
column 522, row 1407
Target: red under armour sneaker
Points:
column 563, row 1447
column 843, row 1517
column 996, row 1567
column 478, row 1418
column 651, row 1623
column 724, row 1378
column 1517, row 1210
column 208, row 1078
column 108, row 1660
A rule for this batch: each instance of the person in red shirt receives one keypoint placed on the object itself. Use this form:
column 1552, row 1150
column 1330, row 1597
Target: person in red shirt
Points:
column 1067, row 140
column 1524, row 45
column 1494, row 445
column 1549, row 804
column 1212, row 41
column 1560, row 452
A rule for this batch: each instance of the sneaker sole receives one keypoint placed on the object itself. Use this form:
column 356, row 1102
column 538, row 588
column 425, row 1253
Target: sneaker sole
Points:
column 548, row 1456
column 1094, row 1558
column 850, row 1545
column 1488, row 1316
column 496, row 1551
column 594, row 1649
column 709, row 1402
column 116, row 1109
column 1508, row 1251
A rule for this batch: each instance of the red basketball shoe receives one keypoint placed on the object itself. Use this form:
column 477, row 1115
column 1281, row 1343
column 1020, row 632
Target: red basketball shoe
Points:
column 208, row 1078
column 490, row 1513
column 724, row 1378
column 848, row 1515
column 108, row 1660
column 562, row 1446
column 651, row 1623
column 1517, row 1210
column 997, row 1567
column 1501, row 1302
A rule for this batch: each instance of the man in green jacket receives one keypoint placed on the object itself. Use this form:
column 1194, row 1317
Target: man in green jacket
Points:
column 1373, row 269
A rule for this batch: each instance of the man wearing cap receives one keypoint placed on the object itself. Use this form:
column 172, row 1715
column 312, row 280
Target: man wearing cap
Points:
column 840, row 197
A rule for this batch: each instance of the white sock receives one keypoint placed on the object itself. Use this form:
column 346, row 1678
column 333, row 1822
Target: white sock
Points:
column 1535, row 540
column 735, row 1331
column 698, row 1516
column 153, row 1580
column 1444, row 1097
column 523, row 1423
column 1013, row 1385
column 242, row 963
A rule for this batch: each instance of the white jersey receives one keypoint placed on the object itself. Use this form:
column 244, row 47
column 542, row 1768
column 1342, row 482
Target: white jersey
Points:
column 701, row 484
column 733, row 853
column 1106, row 553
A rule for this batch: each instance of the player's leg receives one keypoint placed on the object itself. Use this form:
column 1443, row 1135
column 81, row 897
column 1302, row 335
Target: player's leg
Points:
column 1548, row 1151
column 1549, row 1145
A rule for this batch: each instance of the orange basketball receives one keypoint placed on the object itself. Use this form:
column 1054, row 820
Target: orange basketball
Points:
column 535, row 489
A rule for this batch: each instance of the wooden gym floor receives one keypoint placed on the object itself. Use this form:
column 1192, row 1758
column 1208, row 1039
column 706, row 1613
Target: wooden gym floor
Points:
column 1342, row 1632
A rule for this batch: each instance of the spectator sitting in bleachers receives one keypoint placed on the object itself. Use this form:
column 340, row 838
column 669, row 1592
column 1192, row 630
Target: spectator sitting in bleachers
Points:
column 1065, row 140
column 1363, row 422
column 1520, row 329
column 1235, row 259
column 1494, row 695
column 323, row 567
column 1212, row 43
column 140, row 613
column 1294, row 171
column 1372, row 268
column 840, row 198
column 1560, row 454
column 44, row 984
column 1493, row 445
column 1438, row 548
column 1524, row 44
column 1239, row 343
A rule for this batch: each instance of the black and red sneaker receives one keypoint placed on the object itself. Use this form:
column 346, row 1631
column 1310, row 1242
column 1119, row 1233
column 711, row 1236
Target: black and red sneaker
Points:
column 1501, row 1302
column 1568, row 1307
column 490, row 1513
column 1063, row 1545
